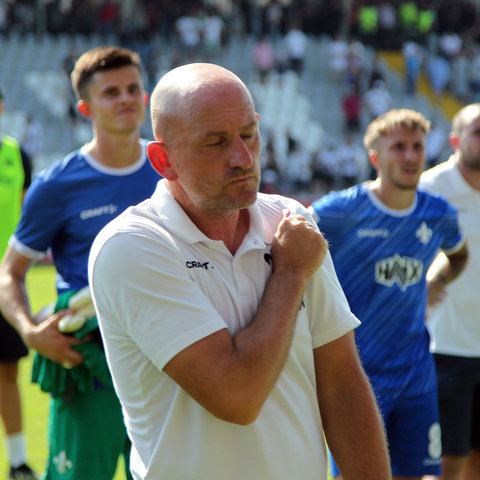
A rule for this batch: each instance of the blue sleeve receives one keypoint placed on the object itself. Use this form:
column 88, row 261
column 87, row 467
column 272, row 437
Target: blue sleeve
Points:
column 42, row 215
column 329, row 214
column 453, row 235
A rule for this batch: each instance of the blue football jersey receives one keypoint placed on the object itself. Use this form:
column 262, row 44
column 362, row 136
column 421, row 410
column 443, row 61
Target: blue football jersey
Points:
column 69, row 203
column 381, row 257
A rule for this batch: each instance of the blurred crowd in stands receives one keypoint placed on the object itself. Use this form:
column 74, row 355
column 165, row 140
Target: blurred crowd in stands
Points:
column 379, row 23
column 440, row 38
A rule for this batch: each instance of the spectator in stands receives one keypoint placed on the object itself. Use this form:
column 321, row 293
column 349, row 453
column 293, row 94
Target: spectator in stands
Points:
column 4, row 21
column 412, row 58
column 274, row 19
column 368, row 23
column 387, row 26
column 32, row 137
column 377, row 100
column 459, row 86
column 439, row 71
column 15, row 178
column 64, row 209
column 408, row 19
column 427, row 21
column 449, row 45
column 337, row 58
column 299, row 168
column 377, row 71
column 108, row 17
column 296, row 42
column 263, row 57
column 352, row 109
column 325, row 167
column 188, row 28
column 272, row 178
column 474, row 74
column 356, row 62
column 213, row 27
column 353, row 166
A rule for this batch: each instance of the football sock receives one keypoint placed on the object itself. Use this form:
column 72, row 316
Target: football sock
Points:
column 16, row 450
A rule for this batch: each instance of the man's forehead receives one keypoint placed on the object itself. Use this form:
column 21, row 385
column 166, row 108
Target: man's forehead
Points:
column 128, row 73
column 402, row 131
column 474, row 122
column 402, row 135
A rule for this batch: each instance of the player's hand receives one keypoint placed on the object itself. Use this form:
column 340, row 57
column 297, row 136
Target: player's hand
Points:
column 49, row 342
column 298, row 247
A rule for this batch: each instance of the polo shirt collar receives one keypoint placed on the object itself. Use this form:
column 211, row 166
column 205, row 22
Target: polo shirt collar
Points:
column 172, row 214
column 458, row 184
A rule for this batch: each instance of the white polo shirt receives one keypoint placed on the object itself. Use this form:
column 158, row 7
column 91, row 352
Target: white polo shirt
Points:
column 454, row 324
column 160, row 285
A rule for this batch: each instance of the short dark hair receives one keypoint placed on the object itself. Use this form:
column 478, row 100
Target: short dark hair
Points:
column 97, row 60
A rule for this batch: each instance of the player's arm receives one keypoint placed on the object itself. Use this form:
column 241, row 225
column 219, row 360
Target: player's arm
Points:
column 350, row 416
column 231, row 376
column 15, row 306
column 444, row 269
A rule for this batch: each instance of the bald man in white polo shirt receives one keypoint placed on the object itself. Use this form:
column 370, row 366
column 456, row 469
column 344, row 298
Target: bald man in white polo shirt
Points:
column 226, row 330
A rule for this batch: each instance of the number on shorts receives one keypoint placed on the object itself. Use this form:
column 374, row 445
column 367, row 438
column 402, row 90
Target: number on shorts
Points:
column 435, row 441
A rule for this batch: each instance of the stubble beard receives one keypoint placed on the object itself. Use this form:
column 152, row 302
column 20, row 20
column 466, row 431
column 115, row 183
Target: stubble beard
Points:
column 472, row 162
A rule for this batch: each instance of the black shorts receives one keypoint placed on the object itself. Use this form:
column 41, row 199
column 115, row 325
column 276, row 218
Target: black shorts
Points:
column 12, row 347
column 459, row 403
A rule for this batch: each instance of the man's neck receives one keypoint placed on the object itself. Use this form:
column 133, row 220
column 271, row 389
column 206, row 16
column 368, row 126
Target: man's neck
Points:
column 391, row 196
column 117, row 152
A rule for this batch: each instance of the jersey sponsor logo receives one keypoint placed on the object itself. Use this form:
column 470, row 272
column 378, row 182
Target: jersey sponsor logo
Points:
column 373, row 232
column 424, row 234
column 109, row 209
column 195, row 264
column 404, row 271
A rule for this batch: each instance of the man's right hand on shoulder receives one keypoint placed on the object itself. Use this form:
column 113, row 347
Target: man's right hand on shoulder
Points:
column 298, row 247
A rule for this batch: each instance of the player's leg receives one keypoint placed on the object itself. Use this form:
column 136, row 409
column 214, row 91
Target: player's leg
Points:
column 86, row 436
column 12, row 350
column 471, row 470
column 414, row 437
column 457, row 380
column 10, row 405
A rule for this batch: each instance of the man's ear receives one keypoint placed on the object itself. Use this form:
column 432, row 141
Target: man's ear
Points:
column 373, row 157
column 159, row 160
column 453, row 139
column 83, row 108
